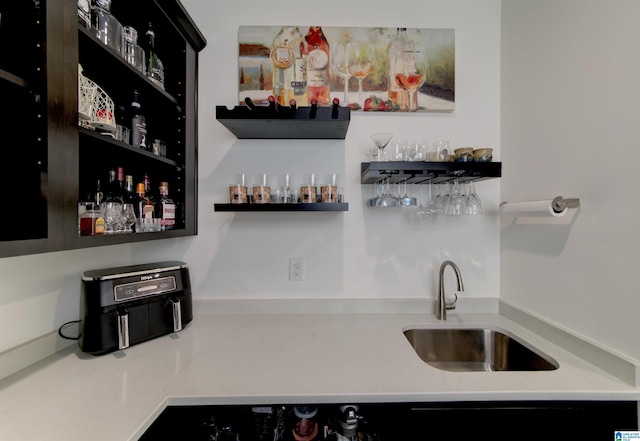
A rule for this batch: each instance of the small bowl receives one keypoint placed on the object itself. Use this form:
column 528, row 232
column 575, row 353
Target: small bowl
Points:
column 483, row 155
column 463, row 154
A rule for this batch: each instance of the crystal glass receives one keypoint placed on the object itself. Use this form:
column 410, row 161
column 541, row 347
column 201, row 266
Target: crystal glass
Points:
column 128, row 218
column 387, row 199
column 474, row 204
column 457, row 201
column 381, row 140
column 360, row 62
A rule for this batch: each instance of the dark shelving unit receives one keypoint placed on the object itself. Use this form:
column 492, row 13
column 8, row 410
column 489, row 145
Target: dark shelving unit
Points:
column 437, row 172
column 41, row 46
column 270, row 208
column 285, row 123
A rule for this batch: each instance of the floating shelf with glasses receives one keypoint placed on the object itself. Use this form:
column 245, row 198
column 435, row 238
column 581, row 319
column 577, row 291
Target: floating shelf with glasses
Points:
column 421, row 172
column 286, row 123
column 340, row 206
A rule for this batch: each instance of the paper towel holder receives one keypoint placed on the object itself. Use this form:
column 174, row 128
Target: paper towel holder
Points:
column 559, row 203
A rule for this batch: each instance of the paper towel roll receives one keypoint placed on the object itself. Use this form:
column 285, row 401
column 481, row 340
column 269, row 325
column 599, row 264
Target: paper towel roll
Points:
column 531, row 209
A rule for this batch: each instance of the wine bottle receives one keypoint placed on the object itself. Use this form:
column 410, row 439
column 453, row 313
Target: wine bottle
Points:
column 397, row 95
column 138, row 124
column 249, row 103
column 318, row 68
column 165, row 208
column 313, row 109
column 335, row 108
column 289, row 61
column 155, row 67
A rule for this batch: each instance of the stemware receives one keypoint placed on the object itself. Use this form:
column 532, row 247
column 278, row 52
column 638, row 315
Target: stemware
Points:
column 360, row 62
column 339, row 63
column 386, row 199
column 427, row 208
column 410, row 73
column 381, row 140
column 128, row 218
column 457, row 200
column 474, row 204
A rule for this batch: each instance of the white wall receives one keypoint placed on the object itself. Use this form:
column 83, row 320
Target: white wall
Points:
column 364, row 253
column 571, row 126
column 361, row 254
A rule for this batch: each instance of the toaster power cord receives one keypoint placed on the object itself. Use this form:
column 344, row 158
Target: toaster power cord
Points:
column 66, row 336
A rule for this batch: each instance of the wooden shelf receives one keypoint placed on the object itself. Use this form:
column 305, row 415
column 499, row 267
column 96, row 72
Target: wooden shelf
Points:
column 419, row 172
column 264, row 123
column 343, row 206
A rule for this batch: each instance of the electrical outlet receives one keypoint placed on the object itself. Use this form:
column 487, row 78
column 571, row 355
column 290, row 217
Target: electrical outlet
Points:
column 296, row 269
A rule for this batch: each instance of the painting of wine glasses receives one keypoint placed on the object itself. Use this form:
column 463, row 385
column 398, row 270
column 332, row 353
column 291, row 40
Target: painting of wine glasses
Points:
column 367, row 69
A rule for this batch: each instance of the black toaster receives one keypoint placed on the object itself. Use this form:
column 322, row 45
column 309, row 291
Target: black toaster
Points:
column 124, row 306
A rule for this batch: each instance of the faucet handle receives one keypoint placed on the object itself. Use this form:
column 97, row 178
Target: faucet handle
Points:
column 451, row 305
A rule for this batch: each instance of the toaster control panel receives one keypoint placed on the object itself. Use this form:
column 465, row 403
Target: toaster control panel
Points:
column 144, row 288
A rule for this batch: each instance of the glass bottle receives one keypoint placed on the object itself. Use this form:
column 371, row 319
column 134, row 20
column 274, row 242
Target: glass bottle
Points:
column 144, row 210
column 138, row 124
column 397, row 95
column 155, row 67
column 129, row 195
column 318, row 67
column 113, row 188
column 165, row 208
column 289, row 60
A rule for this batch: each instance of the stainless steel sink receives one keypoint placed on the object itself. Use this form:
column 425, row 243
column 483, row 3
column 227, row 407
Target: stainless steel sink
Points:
column 477, row 349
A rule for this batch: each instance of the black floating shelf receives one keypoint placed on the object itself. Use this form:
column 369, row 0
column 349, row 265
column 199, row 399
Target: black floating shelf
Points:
column 342, row 206
column 265, row 123
column 419, row 172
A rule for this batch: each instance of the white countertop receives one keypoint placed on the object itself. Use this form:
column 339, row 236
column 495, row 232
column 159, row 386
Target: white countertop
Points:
column 270, row 359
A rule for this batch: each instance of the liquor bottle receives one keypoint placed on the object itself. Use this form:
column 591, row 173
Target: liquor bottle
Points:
column 144, row 210
column 113, row 188
column 121, row 183
column 129, row 196
column 155, row 67
column 397, row 95
column 165, row 208
column 318, row 67
column 289, row 60
column 98, row 195
column 138, row 124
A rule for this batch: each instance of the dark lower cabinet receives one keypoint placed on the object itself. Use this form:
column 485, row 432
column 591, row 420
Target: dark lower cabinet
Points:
column 494, row 421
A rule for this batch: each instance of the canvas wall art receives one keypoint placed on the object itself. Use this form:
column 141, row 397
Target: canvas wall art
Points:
column 368, row 69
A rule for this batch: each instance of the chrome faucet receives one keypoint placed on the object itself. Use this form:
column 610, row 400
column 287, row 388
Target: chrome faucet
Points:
column 441, row 312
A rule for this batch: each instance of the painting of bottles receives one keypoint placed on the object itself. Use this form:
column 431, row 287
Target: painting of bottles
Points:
column 367, row 69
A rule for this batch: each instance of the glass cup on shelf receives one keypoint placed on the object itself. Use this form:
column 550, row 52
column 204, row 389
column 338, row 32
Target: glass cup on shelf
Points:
column 308, row 189
column 440, row 152
column 398, row 148
column 261, row 189
column 238, row 190
column 329, row 190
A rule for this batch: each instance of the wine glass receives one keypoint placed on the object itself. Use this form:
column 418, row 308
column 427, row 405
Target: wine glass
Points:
column 381, row 140
column 410, row 72
column 474, row 204
column 128, row 218
column 360, row 62
column 339, row 63
column 386, row 199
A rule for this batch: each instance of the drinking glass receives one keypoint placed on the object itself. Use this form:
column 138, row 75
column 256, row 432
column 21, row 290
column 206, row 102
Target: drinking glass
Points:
column 339, row 63
column 399, row 150
column 381, row 140
column 128, row 218
column 360, row 62
column 410, row 72
column 285, row 188
column 113, row 218
column 474, row 204
column 446, row 199
column 457, row 200
column 386, row 199
column 426, row 207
